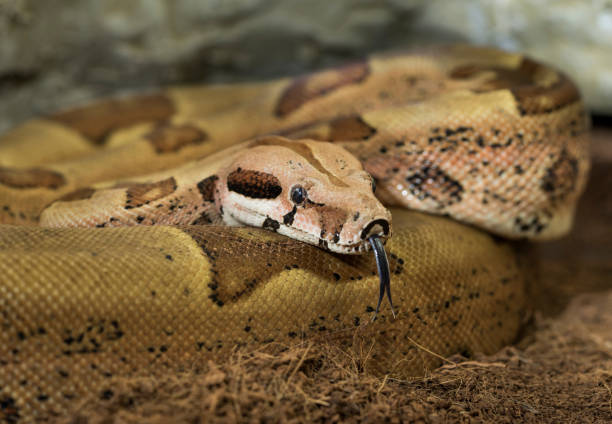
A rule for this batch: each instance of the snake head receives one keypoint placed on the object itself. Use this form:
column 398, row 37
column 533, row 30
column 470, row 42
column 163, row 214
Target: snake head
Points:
column 310, row 191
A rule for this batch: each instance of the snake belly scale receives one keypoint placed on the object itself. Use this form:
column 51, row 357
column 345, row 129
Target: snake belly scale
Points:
column 144, row 233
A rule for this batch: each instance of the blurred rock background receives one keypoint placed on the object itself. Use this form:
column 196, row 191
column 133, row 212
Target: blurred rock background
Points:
column 57, row 53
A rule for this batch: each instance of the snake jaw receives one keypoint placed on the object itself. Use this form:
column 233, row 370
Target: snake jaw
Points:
column 383, row 272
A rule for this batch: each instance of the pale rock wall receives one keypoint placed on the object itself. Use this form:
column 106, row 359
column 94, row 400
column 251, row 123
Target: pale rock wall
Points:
column 57, row 53
column 573, row 35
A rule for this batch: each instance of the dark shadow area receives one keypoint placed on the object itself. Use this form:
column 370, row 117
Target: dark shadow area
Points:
column 582, row 261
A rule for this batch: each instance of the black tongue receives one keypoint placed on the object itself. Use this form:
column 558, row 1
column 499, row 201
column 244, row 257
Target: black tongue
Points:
column 383, row 272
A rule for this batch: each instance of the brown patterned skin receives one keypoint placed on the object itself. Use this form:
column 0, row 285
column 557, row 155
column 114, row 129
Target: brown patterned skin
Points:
column 484, row 137
column 31, row 178
column 475, row 134
column 250, row 185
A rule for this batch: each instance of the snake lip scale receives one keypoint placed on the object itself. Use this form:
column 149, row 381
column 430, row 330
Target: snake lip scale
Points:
column 141, row 234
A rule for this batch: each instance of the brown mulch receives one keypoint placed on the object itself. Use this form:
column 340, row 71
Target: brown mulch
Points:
column 564, row 374
column 560, row 370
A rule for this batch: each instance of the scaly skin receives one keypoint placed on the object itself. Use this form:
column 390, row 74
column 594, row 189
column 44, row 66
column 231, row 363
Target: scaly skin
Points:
column 251, row 184
column 480, row 136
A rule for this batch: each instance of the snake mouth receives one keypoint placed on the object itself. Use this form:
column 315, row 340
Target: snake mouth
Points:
column 375, row 227
column 378, row 228
column 348, row 247
column 355, row 248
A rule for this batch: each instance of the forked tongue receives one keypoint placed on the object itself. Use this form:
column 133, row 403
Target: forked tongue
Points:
column 383, row 273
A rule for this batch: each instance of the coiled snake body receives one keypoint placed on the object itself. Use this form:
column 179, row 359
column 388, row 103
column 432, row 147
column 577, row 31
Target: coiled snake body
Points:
column 490, row 139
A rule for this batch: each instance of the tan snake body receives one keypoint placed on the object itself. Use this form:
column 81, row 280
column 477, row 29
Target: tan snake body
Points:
column 487, row 138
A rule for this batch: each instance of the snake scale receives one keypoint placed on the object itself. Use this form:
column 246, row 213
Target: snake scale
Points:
column 146, row 233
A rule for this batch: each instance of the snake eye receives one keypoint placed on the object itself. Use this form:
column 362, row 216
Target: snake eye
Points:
column 373, row 184
column 298, row 194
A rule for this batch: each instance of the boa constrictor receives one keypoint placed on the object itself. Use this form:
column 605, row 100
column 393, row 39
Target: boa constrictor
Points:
column 484, row 137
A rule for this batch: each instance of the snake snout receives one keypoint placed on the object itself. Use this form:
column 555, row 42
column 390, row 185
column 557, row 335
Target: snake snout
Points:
column 376, row 227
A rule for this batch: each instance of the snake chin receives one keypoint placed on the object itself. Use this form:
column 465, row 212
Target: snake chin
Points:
column 354, row 246
column 349, row 249
column 342, row 247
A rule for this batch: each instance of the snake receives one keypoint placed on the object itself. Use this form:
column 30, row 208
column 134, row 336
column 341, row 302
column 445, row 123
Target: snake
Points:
column 150, row 232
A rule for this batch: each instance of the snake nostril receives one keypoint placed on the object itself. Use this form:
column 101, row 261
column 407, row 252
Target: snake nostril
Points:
column 375, row 227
